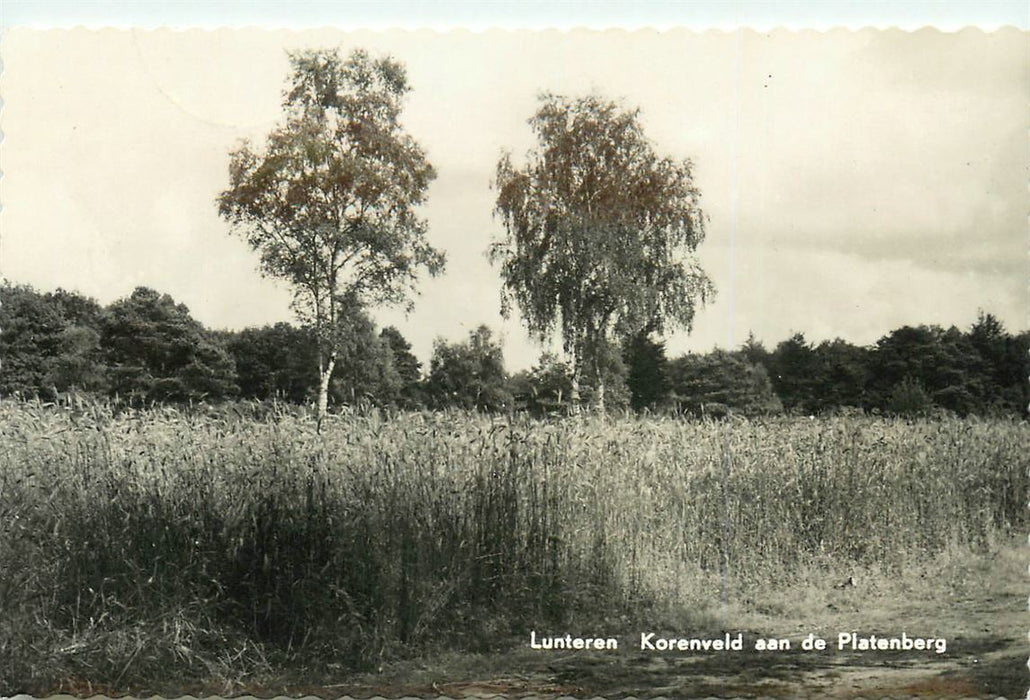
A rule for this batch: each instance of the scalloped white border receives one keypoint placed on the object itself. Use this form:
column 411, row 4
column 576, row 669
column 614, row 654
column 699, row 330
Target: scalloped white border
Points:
column 528, row 14
column 450, row 15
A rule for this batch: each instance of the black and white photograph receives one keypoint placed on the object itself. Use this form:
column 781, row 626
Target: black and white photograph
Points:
column 514, row 363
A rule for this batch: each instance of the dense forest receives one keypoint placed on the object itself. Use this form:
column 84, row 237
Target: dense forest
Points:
column 147, row 348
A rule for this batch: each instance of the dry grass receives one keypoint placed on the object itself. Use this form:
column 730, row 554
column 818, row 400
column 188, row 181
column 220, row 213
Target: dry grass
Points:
column 224, row 546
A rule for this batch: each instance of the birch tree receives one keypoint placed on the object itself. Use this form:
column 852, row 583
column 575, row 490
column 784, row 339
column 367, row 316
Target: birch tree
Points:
column 599, row 233
column 330, row 201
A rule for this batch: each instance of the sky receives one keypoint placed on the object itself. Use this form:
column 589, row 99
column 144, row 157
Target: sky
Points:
column 854, row 182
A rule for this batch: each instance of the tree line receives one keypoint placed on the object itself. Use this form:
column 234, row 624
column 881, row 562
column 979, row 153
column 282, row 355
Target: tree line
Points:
column 147, row 348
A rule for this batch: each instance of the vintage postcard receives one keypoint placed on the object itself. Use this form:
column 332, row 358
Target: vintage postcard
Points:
column 514, row 363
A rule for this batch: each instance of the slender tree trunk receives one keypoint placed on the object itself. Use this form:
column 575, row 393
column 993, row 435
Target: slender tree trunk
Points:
column 598, row 385
column 574, row 389
column 324, row 373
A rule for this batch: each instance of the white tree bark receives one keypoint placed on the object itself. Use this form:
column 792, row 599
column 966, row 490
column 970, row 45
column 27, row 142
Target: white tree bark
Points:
column 574, row 394
column 574, row 397
column 325, row 373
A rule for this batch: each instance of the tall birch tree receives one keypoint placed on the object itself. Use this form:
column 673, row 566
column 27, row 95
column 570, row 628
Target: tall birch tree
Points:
column 600, row 233
column 330, row 201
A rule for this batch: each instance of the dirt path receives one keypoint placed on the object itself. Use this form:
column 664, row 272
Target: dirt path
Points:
column 979, row 607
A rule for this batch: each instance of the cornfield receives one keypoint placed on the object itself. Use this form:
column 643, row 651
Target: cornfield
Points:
column 224, row 542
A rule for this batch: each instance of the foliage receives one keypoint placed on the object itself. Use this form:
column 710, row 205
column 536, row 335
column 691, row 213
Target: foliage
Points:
column 607, row 387
column 365, row 371
column 600, row 231
column 156, row 351
column 76, row 309
column 470, row 374
column 409, row 369
column 278, row 362
column 1006, row 363
column 843, row 374
column 274, row 362
column 754, row 351
column 49, row 343
column 796, row 374
column 330, row 202
column 79, row 364
column 544, row 389
column 909, row 398
column 547, row 388
column 30, row 339
column 943, row 362
column 647, row 370
column 721, row 382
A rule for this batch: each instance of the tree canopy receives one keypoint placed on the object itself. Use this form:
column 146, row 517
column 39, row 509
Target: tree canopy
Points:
column 721, row 382
column 647, row 371
column 330, row 201
column 600, row 231
column 156, row 351
column 469, row 374
column 274, row 362
column 409, row 369
column 30, row 340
